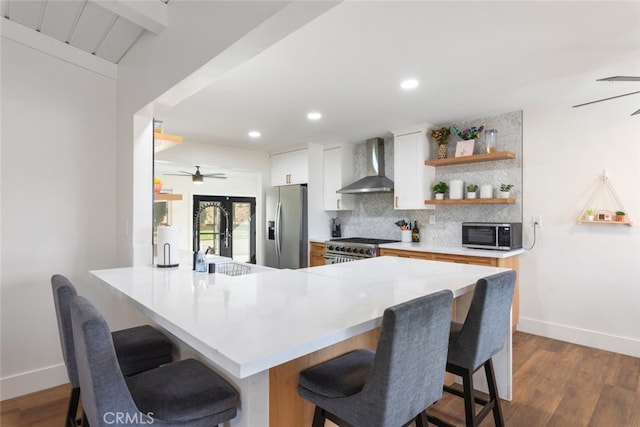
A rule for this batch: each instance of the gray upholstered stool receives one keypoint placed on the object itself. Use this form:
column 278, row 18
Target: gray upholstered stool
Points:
column 394, row 385
column 473, row 344
column 139, row 348
column 184, row 393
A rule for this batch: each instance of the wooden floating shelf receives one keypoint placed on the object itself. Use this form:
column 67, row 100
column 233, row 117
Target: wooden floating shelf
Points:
column 162, row 141
column 494, row 201
column 170, row 197
column 487, row 157
column 595, row 221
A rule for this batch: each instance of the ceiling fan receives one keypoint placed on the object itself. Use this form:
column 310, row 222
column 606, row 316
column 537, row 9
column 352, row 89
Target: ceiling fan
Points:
column 616, row 79
column 198, row 177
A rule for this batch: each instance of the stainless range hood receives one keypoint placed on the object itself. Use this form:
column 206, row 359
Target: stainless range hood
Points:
column 375, row 181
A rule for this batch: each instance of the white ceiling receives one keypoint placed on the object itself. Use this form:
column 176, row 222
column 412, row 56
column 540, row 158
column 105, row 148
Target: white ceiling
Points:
column 473, row 59
column 82, row 24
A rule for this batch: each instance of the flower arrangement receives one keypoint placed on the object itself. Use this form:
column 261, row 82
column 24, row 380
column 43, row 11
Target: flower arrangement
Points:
column 469, row 133
column 441, row 135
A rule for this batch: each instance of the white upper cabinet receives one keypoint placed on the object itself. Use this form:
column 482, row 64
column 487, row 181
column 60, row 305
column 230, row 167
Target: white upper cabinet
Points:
column 412, row 179
column 291, row 167
column 337, row 173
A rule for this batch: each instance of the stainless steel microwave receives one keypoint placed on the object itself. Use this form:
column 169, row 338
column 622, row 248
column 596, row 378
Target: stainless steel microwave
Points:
column 492, row 235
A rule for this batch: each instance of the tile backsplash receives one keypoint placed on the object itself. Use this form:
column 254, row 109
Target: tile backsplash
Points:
column 374, row 215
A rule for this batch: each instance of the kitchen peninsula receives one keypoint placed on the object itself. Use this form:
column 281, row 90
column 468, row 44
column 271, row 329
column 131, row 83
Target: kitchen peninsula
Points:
column 259, row 330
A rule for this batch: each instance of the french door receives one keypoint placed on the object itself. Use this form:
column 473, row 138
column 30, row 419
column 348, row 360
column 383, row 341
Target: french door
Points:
column 225, row 225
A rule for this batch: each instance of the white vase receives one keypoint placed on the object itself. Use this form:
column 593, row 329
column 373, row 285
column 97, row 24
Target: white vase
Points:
column 439, row 196
column 486, row 191
column 456, row 189
column 471, row 195
column 503, row 194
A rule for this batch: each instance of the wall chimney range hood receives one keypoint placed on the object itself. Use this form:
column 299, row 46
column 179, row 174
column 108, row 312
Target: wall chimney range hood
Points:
column 375, row 181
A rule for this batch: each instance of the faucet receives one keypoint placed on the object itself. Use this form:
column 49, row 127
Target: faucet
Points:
column 196, row 225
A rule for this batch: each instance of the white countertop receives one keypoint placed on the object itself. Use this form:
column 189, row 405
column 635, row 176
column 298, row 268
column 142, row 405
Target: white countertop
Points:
column 425, row 247
column 248, row 324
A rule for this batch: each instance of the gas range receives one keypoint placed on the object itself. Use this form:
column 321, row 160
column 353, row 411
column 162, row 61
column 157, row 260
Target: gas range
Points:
column 352, row 249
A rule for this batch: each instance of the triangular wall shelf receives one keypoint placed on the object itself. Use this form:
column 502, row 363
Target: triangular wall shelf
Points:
column 604, row 216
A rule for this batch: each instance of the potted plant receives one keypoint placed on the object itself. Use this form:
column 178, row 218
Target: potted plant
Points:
column 589, row 214
column 471, row 191
column 504, row 190
column 439, row 189
column 620, row 216
column 441, row 136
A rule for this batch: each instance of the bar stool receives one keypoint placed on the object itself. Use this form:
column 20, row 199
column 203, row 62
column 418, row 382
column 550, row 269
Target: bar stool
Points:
column 473, row 344
column 139, row 348
column 394, row 385
column 183, row 393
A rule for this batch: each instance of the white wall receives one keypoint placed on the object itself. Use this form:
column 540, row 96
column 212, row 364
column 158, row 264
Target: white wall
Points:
column 581, row 283
column 58, row 202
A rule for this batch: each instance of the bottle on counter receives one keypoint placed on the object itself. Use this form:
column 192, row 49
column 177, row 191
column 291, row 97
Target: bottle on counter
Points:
column 201, row 264
column 415, row 232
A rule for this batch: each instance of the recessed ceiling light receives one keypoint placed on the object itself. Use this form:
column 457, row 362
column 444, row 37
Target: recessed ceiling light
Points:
column 314, row 116
column 254, row 134
column 409, row 84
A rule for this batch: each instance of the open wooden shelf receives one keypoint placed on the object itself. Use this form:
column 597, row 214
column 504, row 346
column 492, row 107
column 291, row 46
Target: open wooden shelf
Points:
column 493, row 201
column 595, row 221
column 167, row 197
column 162, row 141
column 487, row 157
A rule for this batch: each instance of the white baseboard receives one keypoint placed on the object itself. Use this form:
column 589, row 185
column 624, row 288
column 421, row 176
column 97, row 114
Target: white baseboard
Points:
column 594, row 339
column 32, row 381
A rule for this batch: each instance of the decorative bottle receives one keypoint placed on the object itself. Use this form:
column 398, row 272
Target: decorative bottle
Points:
column 201, row 265
column 415, row 232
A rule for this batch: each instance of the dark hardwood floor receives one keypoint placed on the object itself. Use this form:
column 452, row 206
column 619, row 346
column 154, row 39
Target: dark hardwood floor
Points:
column 555, row 384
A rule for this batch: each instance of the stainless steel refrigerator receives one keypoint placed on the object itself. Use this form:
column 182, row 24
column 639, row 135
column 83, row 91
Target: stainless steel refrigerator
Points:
column 286, row 214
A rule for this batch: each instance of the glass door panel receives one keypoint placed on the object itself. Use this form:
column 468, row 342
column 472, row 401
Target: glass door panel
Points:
column 212, row 226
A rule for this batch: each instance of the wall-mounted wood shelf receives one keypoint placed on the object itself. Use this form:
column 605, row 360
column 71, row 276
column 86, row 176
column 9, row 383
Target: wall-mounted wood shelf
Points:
column 604, row 186
column 162, row 141
column 487, row 157
column 169, row 197
column 493, row 201
column 584, row 221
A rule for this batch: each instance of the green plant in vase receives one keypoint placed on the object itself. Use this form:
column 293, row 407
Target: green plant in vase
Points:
column 439, row 189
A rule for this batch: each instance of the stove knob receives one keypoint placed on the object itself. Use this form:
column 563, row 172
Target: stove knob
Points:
column 349, row 250
column 330, row 247
column 370, row 252
column 361, row 251
column 340, row 248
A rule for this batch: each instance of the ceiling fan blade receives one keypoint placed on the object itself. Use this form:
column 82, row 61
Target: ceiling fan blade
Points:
column 636, row 112
column 606, row 99
column 620, row 79
column 213, row 175
column 178, row 174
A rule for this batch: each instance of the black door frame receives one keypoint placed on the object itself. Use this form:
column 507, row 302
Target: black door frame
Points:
column 226, row 203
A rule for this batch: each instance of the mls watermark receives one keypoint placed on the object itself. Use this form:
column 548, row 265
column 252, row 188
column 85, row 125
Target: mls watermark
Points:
column 126, row 418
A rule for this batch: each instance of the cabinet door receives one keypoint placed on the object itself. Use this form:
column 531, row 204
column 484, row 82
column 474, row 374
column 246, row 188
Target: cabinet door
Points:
column 334, row 162
column 412, row 179
column 317, row 255
column 290, row 168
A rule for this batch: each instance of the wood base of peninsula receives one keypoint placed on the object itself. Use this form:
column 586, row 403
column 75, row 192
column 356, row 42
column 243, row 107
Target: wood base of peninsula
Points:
column 286, row 407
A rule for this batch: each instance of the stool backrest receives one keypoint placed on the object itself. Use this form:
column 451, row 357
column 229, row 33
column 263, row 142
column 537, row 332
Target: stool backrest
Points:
column 487, row 322
column 63, row 293
column 104, row 390
column 410, row 360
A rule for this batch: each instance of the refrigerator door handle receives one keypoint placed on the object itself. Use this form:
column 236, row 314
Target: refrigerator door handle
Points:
column 278, row 226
